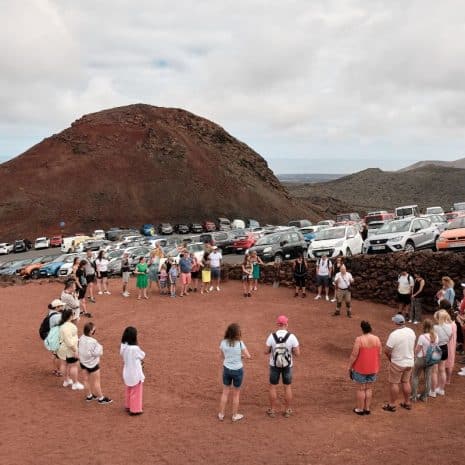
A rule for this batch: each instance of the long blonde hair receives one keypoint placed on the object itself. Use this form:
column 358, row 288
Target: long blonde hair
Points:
column 442, row 316
column 447, row 281
column 428, row 327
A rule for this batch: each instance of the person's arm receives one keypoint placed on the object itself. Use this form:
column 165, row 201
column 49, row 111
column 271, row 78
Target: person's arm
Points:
column 245, row 353
column 76, row 280
column 422, row 285
column 70, row 339
column 260, row 260
column 388, row 352
column 296, row 351
column 354, row 354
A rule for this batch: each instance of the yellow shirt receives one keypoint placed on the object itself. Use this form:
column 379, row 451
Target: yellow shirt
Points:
column 68, row 340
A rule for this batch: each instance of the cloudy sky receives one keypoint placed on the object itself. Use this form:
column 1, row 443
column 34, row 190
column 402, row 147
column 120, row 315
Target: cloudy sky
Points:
column 313, row 86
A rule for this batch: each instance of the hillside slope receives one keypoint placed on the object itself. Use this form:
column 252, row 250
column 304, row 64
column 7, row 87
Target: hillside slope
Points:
column 138, row 164
column 373, row 189
column 460, row 163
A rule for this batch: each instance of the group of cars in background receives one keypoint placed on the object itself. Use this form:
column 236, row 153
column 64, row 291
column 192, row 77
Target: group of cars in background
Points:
column 378, row 232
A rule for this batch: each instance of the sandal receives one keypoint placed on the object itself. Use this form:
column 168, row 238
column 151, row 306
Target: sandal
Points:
column 389, row 408
column 367, row 412
column 271, row 413
column 287, row 413
column 406, row 406
column 358, row 412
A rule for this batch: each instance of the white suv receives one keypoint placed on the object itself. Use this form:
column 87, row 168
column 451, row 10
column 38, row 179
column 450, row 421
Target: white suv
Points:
column 403, row 235
column 340, row 240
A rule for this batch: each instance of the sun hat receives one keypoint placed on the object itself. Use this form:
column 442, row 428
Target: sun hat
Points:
column 398, row 319
column 57, row 303
column 282, row 320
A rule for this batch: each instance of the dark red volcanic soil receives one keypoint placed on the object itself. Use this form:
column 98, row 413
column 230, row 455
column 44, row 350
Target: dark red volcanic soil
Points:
column 44, row 423
column 138, row 164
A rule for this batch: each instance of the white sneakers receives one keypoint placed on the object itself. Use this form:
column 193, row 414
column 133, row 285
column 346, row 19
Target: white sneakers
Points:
column 327, row 298
column 221, row 416
column 237, row 417
column 100, row 293
column 77, row 386
column 317, row 297
column 217, row 288
column 461, row 372
column 125, row 294
column 211, row 288
column 432, row 394
column 67, row 382
column 333, row 300
column 440, row 392
column 107, row 292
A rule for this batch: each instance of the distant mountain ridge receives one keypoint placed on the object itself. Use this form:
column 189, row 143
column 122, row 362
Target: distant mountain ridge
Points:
column 308, row 177
column 460, row 163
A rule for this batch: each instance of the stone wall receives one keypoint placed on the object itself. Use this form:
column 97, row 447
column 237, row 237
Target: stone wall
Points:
column 376, row 275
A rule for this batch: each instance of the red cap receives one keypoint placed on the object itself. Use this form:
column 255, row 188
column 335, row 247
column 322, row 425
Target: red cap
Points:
column 282, row 320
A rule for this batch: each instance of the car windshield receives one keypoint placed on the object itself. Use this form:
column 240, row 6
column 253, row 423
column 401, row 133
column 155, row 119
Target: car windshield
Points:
column 343, row 217
column 457, row 223
column 404, row 211
column 69, row 258
column 267, row 240
column 60, row 258
column 115, row 254
column 434, row 210
column 328, row 234
column 394, row 227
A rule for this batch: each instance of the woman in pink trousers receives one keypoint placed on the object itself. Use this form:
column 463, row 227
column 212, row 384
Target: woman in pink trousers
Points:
column 133, row 374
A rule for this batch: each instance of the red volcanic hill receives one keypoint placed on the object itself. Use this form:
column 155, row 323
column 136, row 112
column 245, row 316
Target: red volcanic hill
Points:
column 138, row 164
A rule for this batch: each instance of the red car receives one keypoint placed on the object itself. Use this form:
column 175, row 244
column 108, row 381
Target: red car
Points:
column 209, row 226
column 243, row 243
column 56, row 241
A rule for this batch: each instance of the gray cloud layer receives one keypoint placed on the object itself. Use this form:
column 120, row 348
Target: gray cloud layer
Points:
column 382, row 82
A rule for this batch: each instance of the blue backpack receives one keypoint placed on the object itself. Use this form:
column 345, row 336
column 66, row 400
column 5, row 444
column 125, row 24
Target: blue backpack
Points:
column 52, row 341
column 433, row 354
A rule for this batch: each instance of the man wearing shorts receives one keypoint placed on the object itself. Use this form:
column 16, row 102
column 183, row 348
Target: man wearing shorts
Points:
column 324, row 269
column 185, row 266
column 400, row 353
column 215, row 259
column 279, row 338
column 342, row 282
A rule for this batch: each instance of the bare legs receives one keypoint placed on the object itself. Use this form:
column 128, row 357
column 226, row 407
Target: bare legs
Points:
column 394, row 390
column 273, row 395
column 92, row 383
column 236, row 392
column 363, row 397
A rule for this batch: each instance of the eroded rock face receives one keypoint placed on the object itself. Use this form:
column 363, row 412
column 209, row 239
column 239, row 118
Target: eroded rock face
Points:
column 376, row 275
column 138, row 164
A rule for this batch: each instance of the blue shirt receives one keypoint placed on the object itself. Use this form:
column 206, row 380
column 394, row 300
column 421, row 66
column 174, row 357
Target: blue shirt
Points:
column 232, row 354
column 185, row 264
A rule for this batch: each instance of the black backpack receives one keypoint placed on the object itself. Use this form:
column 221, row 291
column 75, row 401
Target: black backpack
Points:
column 44, row 328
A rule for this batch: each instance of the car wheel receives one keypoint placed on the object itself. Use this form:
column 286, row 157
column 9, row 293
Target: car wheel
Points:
column 278, row 258
column 409, row 247
column 35, row 274
column 348, row 252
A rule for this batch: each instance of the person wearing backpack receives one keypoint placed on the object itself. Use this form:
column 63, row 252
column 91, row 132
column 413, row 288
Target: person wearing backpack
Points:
column 52, row 320
column 324, row 270
column 424, row 361
column 282, row 346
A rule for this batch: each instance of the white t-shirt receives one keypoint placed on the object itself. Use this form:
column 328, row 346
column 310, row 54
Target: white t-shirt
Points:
column 215, row 259
column 132, row 370
column 444, row 333
column 402, row 343
column 90, row 351
column 324, row 267
column 405, row 284
column 424, row 342
column 291, row 343
column 343, row 281
column 102, row 265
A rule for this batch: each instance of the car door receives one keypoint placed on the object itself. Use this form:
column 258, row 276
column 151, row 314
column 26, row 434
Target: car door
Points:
column 286, row 245
column 354, row 240
column 430, row 231
column 417, row 233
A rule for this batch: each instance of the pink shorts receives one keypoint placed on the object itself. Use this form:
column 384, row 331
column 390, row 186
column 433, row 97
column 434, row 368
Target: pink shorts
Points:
column 186, row 278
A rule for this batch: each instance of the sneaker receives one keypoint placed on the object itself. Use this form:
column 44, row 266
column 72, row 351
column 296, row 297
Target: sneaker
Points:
column 327, row 298
column 440, row 392
column 416, row 322
column 333, row 300
column 105, row 400
column 409, row 321
column 221, row 416
column 90, row 398
column 317, row 297
column 107, row 292
column 218, row 289
column 432, row 394
column 287, row 413
column 125, row 294
column 92, row 300
column 100, row 293
column 210, row 288
column 237, row 417
column 461, row 373
column 77, row 386
column 67, row 382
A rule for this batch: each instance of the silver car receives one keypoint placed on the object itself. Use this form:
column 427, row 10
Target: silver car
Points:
column 405, row 235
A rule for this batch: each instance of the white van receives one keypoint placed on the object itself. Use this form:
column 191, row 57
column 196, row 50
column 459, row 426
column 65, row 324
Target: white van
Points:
column 98, row 234
column 73, row 244
column 238, row 224
column 408, row 211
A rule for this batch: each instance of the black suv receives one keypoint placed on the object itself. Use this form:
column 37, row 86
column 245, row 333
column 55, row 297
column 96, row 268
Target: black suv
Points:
column 196, row 228
column 22, row 245
column 280, row 246
column 182, row 228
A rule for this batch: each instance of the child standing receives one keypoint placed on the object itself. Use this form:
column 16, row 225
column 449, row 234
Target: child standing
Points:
column 133, row 374
column 206, row 275
column 163, row 280
column 256, row 262
column 173, row 276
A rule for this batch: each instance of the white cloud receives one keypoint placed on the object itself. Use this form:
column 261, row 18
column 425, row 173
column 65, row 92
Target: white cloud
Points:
column 337, row 77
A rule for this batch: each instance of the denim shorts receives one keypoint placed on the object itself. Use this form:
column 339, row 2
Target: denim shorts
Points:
column 233, row 376
column 275, row 374
column 363, row 379
column 216, row 273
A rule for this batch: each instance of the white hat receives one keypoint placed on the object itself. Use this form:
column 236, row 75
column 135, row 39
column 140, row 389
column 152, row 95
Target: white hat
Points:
column 57, row 303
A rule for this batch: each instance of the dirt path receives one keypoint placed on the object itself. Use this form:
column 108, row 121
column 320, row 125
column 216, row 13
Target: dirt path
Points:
column 44, row 423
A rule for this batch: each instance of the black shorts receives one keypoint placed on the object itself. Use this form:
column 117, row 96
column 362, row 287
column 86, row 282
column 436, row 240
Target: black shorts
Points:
column 103, row 274
column 71, row 360
column 90, row 278
column 195, row 274
column 82, row 292
column 404, row 298
column 445, row 352
column 90, row 370
column 300, row 281
column 322, row 280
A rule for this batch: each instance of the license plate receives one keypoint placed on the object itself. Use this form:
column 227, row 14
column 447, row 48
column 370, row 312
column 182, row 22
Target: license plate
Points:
column 451, row 246
column 378, row 247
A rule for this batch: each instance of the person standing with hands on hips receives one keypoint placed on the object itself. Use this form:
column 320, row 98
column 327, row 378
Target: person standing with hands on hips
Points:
column 342, row 282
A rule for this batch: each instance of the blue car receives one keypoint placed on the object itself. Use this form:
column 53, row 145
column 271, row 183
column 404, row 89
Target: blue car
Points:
column 148, row 230
column 52, row 268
